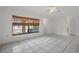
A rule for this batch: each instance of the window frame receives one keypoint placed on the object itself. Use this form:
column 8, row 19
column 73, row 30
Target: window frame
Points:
column 25, row 24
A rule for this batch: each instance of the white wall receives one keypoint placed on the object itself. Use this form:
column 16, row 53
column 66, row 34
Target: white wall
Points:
column 7, row 24
column 1, row 21
column 57, row 26
column 77, row 25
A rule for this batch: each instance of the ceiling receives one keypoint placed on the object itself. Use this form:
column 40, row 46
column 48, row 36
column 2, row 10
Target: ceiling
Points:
column 43, row 11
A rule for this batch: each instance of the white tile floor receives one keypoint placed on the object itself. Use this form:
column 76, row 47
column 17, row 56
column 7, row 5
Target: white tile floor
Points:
column 44, row 44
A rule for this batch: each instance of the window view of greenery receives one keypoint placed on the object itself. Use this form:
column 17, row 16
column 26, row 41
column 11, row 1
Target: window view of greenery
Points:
column 24, row 25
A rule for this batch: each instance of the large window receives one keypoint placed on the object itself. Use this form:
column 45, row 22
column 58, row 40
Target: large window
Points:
column 24, row 25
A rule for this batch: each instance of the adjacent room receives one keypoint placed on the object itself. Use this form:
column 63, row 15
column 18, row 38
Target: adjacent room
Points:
column 39, row 29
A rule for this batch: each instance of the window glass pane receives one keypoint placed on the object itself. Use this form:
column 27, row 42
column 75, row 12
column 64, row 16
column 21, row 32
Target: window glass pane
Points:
column 26, row 29
column 17, row 29
column 31, row 29
column 36, row 28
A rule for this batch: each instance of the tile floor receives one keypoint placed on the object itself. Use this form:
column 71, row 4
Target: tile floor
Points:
column 44, row 44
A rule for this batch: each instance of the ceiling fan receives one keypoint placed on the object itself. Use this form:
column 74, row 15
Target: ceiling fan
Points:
column 52, row 9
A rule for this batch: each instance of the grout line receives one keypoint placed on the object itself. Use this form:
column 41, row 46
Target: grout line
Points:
column 77, row 48
column 67, row 46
